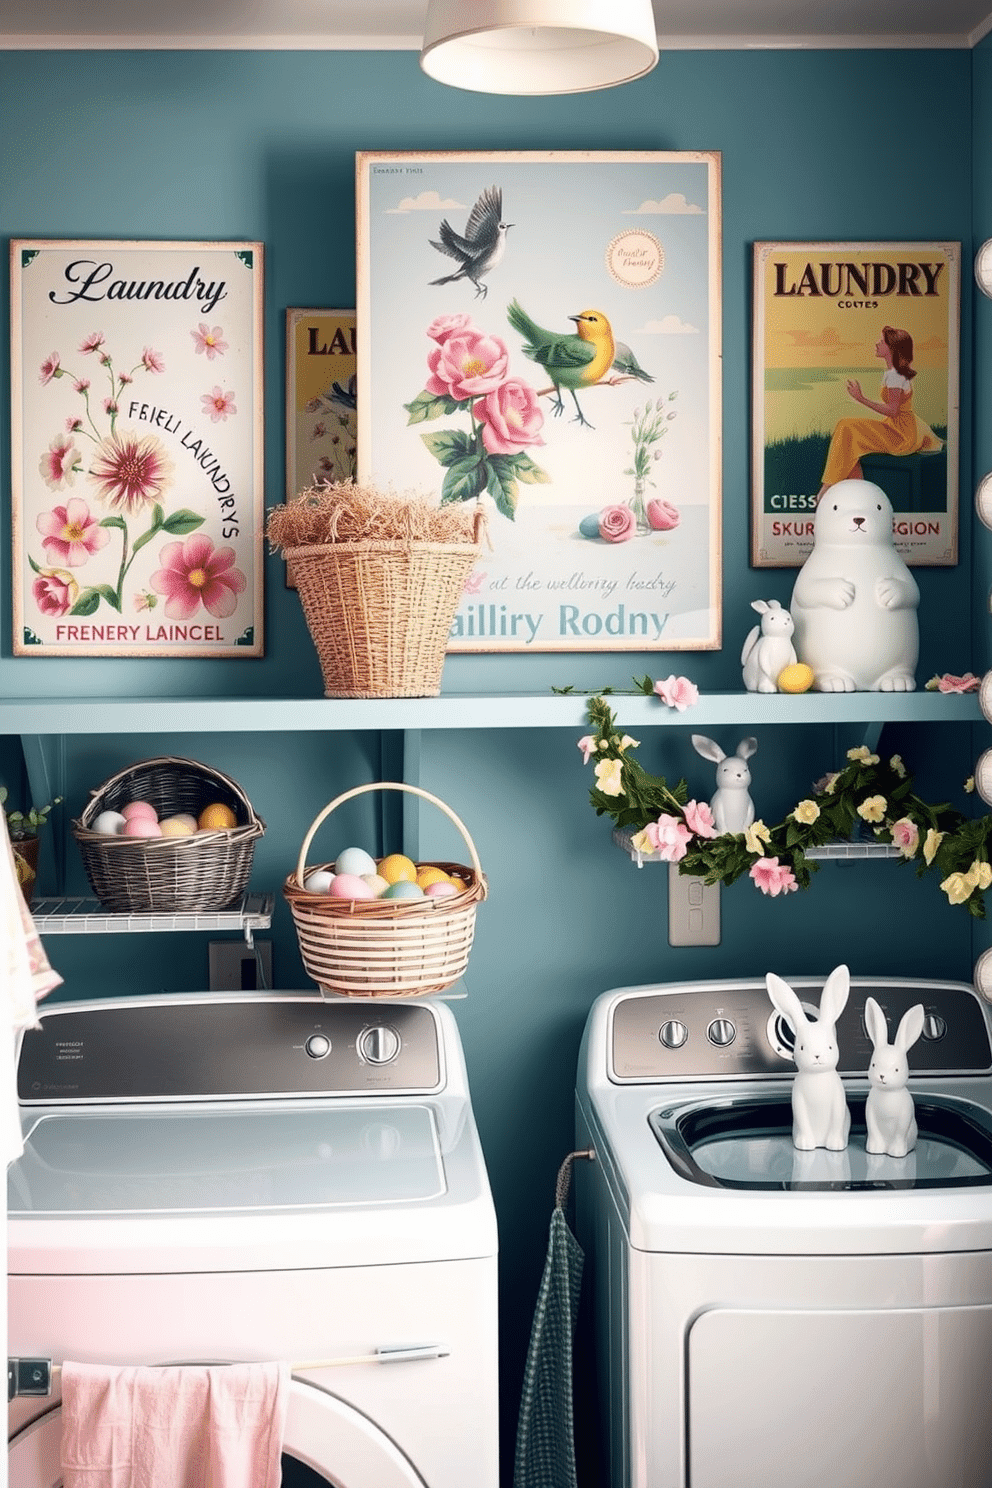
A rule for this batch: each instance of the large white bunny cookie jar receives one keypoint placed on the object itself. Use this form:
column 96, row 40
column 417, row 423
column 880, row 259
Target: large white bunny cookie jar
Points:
column 855, row 602
column 820, row 1114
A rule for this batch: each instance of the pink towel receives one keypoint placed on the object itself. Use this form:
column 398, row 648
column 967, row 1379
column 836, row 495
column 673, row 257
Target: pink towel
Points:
column 189, row 1426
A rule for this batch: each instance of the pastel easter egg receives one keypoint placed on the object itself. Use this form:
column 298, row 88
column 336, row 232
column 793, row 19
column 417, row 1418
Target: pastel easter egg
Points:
column 376, row 883
column 178, row 826
column 589, row 526
column 141, row 826
column 355, row 860
column 429, row 874
column 109, row 824
column 139, row 808
column 350, row 886
column 440, row 890
column 319, row 881
column 404, row 888
column 397, row 867
column 795, row 678
column 663, row 516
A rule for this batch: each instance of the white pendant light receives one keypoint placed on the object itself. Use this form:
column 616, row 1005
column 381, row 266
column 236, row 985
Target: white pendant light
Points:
column 538, row 46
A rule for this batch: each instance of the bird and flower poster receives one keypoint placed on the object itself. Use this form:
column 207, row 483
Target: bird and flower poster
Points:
column 539, row 332
column 855, row 377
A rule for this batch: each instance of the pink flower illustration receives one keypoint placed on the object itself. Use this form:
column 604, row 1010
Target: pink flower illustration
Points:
column 699, row 819
column 772, row 877
column 81, row 384
column 511, row 417
column 218, row 404
column 448, row 325
column 210, row 341
column 92, row 343
column 617, row 524
column 677, row 692
column 50, row 368
column 59, row 463
column 55, row 592
column 194, row 572
column 662, row 515
column 669, row 836
column 152, row 361
column 131, row 471
column 467, row 365
column 71, row 534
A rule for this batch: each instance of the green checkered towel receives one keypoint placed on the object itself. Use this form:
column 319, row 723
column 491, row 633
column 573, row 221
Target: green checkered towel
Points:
column 545, row 1456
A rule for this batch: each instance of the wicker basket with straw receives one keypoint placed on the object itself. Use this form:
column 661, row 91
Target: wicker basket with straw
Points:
column 385, row 947
column 206, row 871
column 379, row 578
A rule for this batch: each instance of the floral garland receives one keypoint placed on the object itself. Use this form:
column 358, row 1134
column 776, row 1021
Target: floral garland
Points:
column 868, row 793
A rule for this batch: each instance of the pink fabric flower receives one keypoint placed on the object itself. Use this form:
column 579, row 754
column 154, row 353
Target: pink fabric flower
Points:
column 949, row 683
column 511, row 417
column 617, row 524
column 699, row 819
column 58, row 463
column 906, row 836
column 677, row 692
column 152, row 361
column 70, row 534
column 218, row 404
column 131, row 471
column 663, row 516
column 449, row 325
column 210, row 341
column 467, row 365
column 772, row 877
column 193, row 572
column 588, row 746
column 55, row 592
column 669, row 837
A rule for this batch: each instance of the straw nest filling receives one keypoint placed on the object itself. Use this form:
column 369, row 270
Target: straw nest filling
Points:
column 346, row 512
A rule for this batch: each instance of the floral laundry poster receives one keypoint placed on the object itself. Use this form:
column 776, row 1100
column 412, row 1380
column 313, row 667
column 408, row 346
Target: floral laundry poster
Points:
column 137, row 448
column 540, row 332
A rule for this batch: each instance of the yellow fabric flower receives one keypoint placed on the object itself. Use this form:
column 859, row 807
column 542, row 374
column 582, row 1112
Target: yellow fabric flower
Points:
column 806, row 812
column 641, row 842
column 979, row 875
column 969, row 785
column 756, row 837
column 957, row 888
column 863, row 755
column 930, row 845
column 896, row 764
column 627, row 742
column 608, row 773
column 831, row 781
column 872, row 809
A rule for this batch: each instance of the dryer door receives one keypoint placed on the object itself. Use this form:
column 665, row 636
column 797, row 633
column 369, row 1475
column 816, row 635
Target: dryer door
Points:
column 342, row 1447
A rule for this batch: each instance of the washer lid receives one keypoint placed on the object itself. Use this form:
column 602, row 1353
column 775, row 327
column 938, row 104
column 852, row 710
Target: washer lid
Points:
column 208, row 1161
column 745, row 1142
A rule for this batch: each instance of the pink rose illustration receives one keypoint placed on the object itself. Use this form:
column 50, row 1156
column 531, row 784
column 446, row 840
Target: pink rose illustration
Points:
column 55, row 592
column 510, row 416
column 467, row 365
column 663, row 516
column 194, row 573
column 617, row 524
column 446, row 326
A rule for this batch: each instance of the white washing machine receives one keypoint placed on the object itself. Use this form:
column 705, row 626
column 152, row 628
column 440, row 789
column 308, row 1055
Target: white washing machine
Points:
column 258, row 1177
column 767, row 1318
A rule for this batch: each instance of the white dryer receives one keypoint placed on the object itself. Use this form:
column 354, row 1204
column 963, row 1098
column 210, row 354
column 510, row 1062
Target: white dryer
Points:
column 768, row 1318
column 258, row 1177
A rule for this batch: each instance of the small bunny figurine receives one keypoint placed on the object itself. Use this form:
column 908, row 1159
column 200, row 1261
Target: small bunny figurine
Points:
column 768, row 649
column 820, row 1117
column 889, row 1111
column 731, row 805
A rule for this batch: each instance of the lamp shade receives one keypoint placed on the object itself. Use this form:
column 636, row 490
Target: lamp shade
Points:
column 538, row 46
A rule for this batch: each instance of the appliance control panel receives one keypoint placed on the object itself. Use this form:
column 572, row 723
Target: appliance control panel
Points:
column 706, row 1030
column 229, row 1050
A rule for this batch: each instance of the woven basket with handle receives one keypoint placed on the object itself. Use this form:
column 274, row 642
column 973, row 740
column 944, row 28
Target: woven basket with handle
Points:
column 207, row 871
column 380, row 612
column 385, row 947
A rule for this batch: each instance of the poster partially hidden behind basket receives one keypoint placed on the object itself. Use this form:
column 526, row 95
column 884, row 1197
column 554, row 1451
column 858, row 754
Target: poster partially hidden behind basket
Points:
column 385, row 947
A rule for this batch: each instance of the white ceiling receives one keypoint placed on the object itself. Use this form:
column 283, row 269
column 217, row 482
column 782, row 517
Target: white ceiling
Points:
column 391, row 24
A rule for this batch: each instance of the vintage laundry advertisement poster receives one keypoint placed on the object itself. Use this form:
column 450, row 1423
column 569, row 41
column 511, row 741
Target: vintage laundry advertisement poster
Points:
column 321, row 398
column 855, row 376
column 137, row 469
column 540, row 332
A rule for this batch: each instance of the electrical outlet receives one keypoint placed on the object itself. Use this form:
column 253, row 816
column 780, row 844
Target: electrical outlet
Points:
column 693, row 910
column 237, row 967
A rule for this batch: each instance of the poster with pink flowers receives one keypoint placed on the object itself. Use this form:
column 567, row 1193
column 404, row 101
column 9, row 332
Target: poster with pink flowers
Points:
column 137, row 478
column 539, row 333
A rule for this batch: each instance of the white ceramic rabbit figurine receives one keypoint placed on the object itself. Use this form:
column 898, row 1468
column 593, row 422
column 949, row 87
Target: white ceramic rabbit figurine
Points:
column 889, row 1111
column 768, row 649
column 820, row 1116
column 731, row 805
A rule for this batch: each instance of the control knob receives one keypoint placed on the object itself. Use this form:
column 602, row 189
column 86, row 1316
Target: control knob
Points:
column 673, row 1034
column 934, row 1027
column 318, row 1046
column 721, row 1032
column 379, row 1044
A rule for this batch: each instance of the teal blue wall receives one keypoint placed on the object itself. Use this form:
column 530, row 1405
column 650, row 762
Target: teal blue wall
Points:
column 815, row 145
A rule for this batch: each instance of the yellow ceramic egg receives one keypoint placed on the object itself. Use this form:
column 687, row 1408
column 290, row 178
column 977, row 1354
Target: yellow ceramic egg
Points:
column 217, row 817
column 795, row 678
column 429, row 874
column 396, row 869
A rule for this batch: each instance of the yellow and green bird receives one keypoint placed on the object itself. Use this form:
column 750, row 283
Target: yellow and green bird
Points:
column 572, row 360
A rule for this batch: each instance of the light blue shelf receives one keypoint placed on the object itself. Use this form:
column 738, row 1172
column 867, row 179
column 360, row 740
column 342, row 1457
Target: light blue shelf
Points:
column 48, row 716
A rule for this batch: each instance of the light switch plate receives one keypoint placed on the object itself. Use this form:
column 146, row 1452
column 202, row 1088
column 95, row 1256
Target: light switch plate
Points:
column 693, row 910
column 237, row 967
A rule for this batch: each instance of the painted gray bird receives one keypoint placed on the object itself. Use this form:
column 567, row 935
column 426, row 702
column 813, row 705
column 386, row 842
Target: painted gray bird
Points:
column 480, row 248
